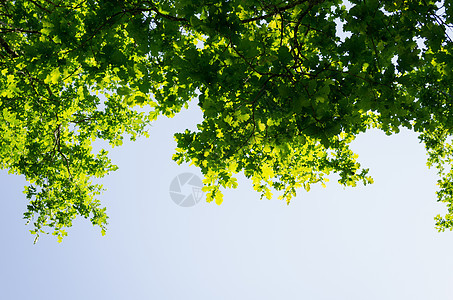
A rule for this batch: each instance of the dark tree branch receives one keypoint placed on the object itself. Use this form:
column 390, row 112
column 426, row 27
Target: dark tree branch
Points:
column 279, row 10
column 160, row 14
column 7, row 48
column 58, row 143
column 3, row 29
column 41, row 7
column 276, row 11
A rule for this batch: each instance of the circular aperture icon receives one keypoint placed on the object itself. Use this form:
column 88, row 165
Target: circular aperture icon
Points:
column 185, row 189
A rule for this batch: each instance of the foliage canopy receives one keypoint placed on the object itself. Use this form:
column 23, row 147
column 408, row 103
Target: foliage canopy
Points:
column 282, row 90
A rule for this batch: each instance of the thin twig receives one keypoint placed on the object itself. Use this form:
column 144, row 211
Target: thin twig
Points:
column 278, row 10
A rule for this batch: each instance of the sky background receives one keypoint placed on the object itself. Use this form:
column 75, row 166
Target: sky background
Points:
column 373, row 242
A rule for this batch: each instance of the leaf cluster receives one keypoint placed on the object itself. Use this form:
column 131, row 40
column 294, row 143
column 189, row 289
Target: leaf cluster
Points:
column 283, row 93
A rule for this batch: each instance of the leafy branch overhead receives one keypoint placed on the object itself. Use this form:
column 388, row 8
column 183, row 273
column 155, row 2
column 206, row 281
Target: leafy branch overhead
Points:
column 282, row 91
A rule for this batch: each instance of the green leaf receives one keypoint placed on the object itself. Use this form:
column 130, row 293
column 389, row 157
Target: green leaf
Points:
column 123, row 90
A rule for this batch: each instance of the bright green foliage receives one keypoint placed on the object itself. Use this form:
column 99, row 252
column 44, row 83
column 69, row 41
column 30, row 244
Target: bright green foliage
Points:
column 283, row 94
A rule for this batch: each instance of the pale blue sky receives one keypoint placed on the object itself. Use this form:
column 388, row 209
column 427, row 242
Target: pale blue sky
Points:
column 374, row 242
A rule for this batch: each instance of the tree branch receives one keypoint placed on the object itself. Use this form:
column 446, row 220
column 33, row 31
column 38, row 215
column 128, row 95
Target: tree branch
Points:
column 279, row 10
column 160, row 14
column 8, row 49
column 3, row 29
column 41, row 7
